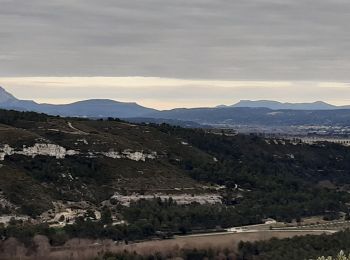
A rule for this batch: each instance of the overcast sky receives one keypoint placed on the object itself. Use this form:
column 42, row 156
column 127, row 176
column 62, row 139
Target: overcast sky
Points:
column 304, row 45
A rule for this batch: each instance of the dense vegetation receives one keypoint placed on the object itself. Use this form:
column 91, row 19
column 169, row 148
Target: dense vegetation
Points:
column 146, row 219
column 263, row 179
column 84, row 227
column 304, row 247
column 10, row 117
column 168, row 216
column 280, row 180
column 283, row 178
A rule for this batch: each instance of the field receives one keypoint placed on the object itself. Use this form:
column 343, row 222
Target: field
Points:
column 211, row 241
column 88, row 249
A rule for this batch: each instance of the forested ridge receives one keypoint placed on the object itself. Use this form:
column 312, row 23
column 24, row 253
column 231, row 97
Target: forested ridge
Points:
column 281, row 178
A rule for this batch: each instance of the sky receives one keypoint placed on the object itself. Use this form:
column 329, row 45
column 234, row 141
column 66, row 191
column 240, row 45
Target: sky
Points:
column 176, row 53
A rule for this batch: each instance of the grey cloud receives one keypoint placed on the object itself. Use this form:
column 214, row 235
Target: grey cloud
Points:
column 256, row 39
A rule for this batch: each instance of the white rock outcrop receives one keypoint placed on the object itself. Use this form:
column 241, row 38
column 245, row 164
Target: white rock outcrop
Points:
column 128, row 154
column 52, row 150
column 5, row 150
column 181, row 199
column 139, row 156
column 112, row 154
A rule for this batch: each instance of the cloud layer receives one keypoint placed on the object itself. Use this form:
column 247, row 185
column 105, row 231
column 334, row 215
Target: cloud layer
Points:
column 221, row 39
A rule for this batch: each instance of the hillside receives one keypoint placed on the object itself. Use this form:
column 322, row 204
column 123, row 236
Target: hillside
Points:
column 69, row 159
column 117, row 180
column 73, row 159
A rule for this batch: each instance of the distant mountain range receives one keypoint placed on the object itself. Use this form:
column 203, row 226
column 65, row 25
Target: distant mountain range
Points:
column 86, row 108
column 245, row 112
column 275, row 105
column 318, row 105
column 230, row 116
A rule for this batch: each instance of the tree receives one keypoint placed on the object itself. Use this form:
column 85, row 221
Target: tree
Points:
column 106, row 216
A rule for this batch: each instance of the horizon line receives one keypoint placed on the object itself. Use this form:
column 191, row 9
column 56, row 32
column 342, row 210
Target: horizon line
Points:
column 169, row 93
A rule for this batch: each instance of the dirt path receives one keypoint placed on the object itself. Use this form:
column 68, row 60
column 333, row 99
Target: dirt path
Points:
column 77, row 131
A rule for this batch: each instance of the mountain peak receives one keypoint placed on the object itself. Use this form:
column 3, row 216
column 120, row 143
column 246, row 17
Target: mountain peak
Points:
column 2, row 90
column 6, row 97
column 320, row 102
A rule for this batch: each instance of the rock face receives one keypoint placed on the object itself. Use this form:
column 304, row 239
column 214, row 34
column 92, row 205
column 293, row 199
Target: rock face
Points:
column 129, row 154
column 181, row 199
column 6, row 150
column 54, row 150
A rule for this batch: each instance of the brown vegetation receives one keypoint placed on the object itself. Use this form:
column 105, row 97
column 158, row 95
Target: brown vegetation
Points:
column 89, row 249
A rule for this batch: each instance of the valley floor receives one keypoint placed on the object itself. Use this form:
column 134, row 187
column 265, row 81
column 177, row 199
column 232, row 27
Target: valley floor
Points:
column 89, row 249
